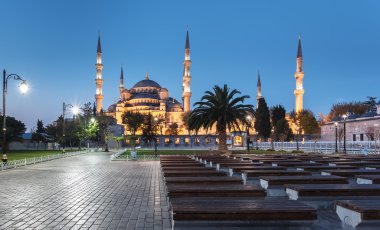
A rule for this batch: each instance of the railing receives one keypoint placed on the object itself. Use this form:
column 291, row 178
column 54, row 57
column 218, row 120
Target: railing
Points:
column 362, row 147
column 35, row 160
column 117, row 154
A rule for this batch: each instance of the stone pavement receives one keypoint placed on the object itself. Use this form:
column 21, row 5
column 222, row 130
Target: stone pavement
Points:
column 84, row 192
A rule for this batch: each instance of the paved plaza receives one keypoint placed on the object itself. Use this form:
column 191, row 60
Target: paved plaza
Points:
column 84, row 192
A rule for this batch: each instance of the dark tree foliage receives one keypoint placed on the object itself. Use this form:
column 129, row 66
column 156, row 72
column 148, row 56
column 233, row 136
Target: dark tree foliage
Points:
column 55, row 130
column 40, row 127
column 185, row 120
column 283, row 131
column 15, row 129
column 342, row 108
column 221, row 107
column 277, row 113
column 371, row 103
column 133, row 120
column 173, row 129
column 306, row 122
column 149, row 129
column 104, row 122
column 262, row 122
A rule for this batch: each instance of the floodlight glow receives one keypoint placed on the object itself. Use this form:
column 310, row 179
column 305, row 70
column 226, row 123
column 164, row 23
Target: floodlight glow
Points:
column 92, row 120
column 75, row 110
column 23, row 87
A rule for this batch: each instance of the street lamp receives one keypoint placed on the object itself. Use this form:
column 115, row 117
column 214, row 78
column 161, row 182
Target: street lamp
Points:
column 75, row 111
column 298, row 131
column 248, row 119
column 344, row 133
column 271, row 139
column 23, row 88
column 336, row 136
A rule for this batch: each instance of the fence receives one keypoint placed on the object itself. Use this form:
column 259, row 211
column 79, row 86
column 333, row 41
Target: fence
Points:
column 35, row 160
column 355, row 147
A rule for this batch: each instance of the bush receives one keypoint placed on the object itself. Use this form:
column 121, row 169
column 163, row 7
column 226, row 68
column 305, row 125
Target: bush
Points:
column 271, row 150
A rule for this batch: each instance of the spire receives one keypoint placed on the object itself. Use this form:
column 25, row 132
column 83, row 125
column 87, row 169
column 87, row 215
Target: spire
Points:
column 147, row 75
column 299, row 53
column 121, row 74
column 187, row 46
column 258, row 80
column 99, row 46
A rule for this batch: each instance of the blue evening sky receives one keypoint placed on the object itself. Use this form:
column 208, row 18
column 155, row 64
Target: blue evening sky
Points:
column 52, row 44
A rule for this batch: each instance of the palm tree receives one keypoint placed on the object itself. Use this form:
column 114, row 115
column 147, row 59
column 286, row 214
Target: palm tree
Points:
column 222, row 108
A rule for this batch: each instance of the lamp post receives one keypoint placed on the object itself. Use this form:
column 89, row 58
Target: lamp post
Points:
column 23, row 88
column 298, row 131
column 248, row 119
column 75, row 111
column 344, row 133
column 336, row 136
column 257, row 140
column 271, row 139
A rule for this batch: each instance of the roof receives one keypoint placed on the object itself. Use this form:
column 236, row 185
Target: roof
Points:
column 146, row 83
column 99, row 46
column 187, row 46
column 299, row 52
column 145, row 95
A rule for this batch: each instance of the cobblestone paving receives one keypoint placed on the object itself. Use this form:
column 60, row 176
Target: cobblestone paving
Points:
column 84, row 192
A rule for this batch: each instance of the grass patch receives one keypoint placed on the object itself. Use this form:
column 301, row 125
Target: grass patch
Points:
column 165, row 152
column 22, row 154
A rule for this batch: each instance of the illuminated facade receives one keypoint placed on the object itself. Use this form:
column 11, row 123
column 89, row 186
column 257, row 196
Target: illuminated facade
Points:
column 147, row 96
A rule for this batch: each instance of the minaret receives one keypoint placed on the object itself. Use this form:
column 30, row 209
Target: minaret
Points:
column 299, row 92
column 259, row 95
column 186, row 92
column 99, row 80
column 121, row 87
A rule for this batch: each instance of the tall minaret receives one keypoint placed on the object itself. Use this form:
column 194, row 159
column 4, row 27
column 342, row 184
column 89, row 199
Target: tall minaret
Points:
column 121, row 87
column 299, row 92
column 99, row 80
column 186, row 92
column 259, row 95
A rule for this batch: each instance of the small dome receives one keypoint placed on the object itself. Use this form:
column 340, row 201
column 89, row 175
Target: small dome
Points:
column 146, row 83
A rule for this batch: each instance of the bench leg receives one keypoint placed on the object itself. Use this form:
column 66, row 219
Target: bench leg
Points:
column 230, row 172
column 350, row 219
column 244, row 177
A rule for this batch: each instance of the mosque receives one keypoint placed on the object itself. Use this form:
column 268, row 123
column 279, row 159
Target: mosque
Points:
column 148, row 96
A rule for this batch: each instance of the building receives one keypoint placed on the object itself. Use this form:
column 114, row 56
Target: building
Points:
column 365, row 127
column 148, row 96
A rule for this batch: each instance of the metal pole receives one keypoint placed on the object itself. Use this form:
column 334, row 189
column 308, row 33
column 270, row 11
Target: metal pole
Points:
column 4, row 158
column 248, row 139
column 344, row 137
column 63, row 128
column 336, row 138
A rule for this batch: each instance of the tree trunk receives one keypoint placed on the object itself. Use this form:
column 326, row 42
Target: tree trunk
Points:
column 222, row 138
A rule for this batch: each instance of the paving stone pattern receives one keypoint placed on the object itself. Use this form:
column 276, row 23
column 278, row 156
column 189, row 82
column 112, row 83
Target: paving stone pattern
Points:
column 84, row 192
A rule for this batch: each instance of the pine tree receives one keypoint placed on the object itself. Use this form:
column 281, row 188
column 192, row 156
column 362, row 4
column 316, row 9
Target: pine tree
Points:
column 262, row 122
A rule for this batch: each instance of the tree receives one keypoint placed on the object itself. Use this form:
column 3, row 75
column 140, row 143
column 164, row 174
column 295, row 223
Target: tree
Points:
column 15, row 129
column 283, row 130
column 342, row 108
column 185, row 120
column 262, row 119
column 277, row 113
column 306, row 122
column 221, row 107
column 38, row 135
column 371, row 103
column 149, row 129
column 55, row 130
column 133, row 120
column 104, row 122
column 173, row 129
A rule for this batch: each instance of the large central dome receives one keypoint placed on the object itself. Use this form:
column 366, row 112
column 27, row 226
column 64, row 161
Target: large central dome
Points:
column 147, row 83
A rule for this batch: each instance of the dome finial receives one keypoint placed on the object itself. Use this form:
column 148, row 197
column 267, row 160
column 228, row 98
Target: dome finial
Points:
column 147, row 75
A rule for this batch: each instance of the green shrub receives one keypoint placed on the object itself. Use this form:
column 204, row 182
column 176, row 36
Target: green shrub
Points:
column 297, row 151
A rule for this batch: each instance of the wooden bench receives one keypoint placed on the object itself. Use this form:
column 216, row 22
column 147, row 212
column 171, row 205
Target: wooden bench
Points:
column 226, row 213
column 186, row 168
column 242, row 168
column 359, row 214
column 257, row 173
column 352, row 172
column 330, row 191
column 193, row 173
column 218, row 190
column 368, row 179
column 275, row 184
column 204, row 180
column 182, row 164
column 325, row 167
column 295, row 164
